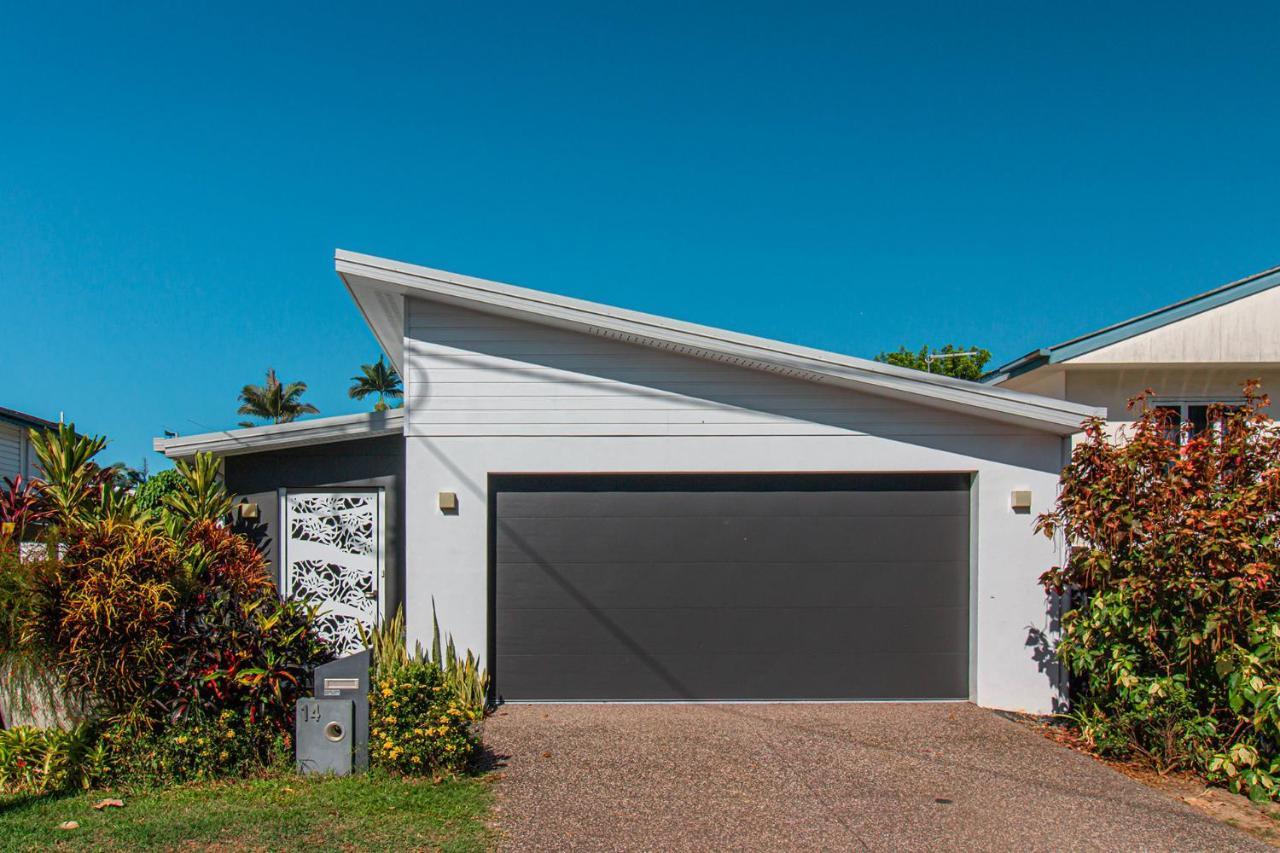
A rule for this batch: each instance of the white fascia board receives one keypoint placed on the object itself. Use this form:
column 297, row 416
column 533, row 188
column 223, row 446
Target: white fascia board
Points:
column 278, row 436
column 366, row 275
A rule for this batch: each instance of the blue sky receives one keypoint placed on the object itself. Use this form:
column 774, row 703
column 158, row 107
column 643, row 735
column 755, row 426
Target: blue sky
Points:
column 173, row 181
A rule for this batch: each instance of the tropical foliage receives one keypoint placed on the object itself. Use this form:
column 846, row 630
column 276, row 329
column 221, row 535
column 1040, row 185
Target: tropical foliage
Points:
column 157, row 620
column 74, row 485
column 23, row 509
column 42, row 761
column 201, row 497
column 378, row 378
column 274, row 401
column 462, row 674
column 1172, row 574
column 950, row 360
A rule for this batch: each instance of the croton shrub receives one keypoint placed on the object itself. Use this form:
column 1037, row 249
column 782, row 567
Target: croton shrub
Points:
column 164, row 626
column 1171, row 559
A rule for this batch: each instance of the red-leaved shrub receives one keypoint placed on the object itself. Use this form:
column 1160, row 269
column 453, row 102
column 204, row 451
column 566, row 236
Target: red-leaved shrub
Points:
column 1173, row 566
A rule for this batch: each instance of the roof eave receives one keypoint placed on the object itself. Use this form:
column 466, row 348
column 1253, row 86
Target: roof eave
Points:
column 22, row 419
column 315, row 431
column 1143, row 323
column 1023, row 364
column 608, row 321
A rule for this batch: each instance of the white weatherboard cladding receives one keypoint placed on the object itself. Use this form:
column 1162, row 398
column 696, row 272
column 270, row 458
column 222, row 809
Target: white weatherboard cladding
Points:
column 12, row 447
column 1239, row 332
column 469, row 373
column 490, row 395
column 333, row 558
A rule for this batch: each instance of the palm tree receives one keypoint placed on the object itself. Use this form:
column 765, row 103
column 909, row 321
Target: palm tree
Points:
column 274, row 402
column 380, row 379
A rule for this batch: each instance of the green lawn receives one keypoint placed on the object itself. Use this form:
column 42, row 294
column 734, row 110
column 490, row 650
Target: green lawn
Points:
column 278, row 813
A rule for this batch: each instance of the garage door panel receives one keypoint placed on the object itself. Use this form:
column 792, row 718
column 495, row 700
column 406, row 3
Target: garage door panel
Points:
column 695, row 677
column 727, row 630
column 672, row 504
column 750, row 539
column 731, row 587
column 781, row 584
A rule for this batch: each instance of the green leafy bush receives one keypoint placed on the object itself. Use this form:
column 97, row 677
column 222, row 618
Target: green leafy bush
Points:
column 152, row 493
column 1171, row 569
column 43, row 761
column 418, row 725
column 200, row 746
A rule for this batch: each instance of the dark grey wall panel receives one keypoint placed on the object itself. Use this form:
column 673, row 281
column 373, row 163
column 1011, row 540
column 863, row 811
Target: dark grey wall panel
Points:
column 633, row 587
column 358, row 463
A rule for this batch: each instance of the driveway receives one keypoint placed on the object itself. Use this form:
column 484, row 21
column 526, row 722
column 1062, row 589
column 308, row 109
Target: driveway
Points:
column 832, row 776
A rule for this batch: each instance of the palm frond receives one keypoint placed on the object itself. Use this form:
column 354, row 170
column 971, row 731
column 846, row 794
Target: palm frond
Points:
column 274, row 401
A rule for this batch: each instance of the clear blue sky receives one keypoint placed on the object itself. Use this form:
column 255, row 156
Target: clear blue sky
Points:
column 173, row 181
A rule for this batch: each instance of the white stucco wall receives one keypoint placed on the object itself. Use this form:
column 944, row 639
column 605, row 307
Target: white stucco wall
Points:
column 490, row 395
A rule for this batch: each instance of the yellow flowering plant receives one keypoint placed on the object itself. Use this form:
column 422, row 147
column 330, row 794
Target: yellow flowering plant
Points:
column 200, row 747
column 418, row 726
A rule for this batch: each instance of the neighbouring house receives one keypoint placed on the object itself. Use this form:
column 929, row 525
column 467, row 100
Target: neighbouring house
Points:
column 1191, row 354
column 17, row 456
column 610, row 505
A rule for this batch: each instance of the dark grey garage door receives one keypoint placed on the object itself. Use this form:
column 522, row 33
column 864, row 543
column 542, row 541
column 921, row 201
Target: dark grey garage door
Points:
column 661, row 587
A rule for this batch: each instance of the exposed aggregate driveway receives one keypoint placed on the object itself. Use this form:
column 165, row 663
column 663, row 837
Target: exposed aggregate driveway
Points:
column 828, row 776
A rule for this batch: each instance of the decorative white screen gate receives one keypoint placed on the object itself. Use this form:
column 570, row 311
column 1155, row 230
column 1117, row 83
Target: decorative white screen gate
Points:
column 331, row 555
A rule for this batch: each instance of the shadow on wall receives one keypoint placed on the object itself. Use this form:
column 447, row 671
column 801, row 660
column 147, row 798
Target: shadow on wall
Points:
column 1041, row 643
column 255, row 531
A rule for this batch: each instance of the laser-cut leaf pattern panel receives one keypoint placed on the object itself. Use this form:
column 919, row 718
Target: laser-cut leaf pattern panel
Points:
column 332, row 561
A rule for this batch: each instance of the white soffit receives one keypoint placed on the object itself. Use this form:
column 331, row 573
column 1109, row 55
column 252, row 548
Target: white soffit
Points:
column 379, row 286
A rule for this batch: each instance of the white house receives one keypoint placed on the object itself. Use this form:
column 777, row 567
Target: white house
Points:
column 17, row 456
column 1191, row 354
column 609, row 505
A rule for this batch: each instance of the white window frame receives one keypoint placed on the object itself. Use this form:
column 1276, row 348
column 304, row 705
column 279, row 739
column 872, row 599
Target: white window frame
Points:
column 1184, row 404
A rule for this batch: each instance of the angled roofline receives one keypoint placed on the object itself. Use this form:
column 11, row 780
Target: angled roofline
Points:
column 232, row 442
column 23, row 419
column 1135, row 326
column 378, row 286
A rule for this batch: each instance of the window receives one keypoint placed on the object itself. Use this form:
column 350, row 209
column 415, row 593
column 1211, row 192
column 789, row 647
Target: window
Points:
column 1193, row 412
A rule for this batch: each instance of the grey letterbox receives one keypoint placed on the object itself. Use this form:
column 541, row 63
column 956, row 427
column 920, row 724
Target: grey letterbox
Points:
column 324, row 730
column 348, row 678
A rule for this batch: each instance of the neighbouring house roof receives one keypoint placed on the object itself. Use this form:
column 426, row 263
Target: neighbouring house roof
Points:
column 23, row 419
column 379, row 286
column 1141, row 324
column 278, row 436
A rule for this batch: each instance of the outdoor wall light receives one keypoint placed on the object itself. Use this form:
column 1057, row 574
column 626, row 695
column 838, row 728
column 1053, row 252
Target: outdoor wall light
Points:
column 448, row 501
column 1020, row 500
column 247, row 510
